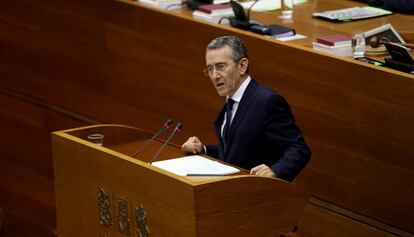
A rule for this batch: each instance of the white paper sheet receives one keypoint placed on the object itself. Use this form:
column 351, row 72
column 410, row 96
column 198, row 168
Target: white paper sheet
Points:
column 267, row 5
column 290, row 38
column 195, row 166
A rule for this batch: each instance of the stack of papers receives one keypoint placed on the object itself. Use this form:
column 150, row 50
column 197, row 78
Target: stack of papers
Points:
column 195, row 166
column 335, row 40
column 353, row 13
column 267, row 5
column 213, row 12
column 163, row 4
column 345, row 51
column 336, row 44
column 263, row 5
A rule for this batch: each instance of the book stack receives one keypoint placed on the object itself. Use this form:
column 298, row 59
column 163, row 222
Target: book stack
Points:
column 336, row 44
column 213, row 12
column 163, row 4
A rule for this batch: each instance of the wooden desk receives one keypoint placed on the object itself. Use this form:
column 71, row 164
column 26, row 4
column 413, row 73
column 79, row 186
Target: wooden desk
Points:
column 118, row 62
column 303, row 22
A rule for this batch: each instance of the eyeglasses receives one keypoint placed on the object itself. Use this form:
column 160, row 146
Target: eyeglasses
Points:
column 220, row 67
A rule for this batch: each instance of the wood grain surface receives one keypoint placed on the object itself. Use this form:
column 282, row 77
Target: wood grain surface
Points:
column 119, row 62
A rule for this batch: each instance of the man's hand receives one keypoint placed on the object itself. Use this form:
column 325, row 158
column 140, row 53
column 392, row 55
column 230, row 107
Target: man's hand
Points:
column 192, row 145
column 263, row 170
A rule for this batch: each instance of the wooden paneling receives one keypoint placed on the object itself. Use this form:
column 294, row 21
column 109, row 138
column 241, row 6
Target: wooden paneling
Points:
column 14, row 226
column 26, row 183
column 334, row 225
column 118, row 62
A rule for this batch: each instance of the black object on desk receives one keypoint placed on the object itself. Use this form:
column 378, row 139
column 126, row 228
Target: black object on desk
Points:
column 240, row 19
column 401, row 58
column 194, row 4
column 275, row 31
column 400, row 66
column 278, row 31
column 399, row 53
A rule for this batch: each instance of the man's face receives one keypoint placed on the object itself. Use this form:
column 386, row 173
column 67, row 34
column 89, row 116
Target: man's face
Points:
column 224, row 72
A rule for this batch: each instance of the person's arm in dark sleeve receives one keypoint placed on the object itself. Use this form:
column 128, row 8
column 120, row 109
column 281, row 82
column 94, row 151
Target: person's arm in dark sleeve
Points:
column 281, row 129
column 405, row 6
column 212, row 150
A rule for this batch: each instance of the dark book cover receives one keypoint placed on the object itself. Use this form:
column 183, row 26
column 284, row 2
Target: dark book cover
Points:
column 277, row 31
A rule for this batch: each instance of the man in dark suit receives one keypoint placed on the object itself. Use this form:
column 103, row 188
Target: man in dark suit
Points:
column 255, row 129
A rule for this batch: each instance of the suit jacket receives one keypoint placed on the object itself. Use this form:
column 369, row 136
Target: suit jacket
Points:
column 405, row 6
column 263, row 131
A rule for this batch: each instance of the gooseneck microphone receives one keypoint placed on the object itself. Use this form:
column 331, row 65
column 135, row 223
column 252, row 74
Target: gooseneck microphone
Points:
column 177, row 129
column 240, row 19
column 250, row 9
column 164, row 127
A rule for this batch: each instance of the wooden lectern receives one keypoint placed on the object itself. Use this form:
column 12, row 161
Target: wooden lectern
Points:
column 103, row 191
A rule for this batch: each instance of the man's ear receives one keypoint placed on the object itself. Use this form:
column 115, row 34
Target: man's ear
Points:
column 243, row 64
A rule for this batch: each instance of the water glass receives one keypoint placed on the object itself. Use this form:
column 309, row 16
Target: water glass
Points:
column 358, row 43
column 286, row 7
column 96, row 139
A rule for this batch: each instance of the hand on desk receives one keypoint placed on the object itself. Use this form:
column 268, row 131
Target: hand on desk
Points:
column 193, row 145
column 263, row 170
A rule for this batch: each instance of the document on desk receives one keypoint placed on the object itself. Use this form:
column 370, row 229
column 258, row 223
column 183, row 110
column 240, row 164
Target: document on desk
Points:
column 350, row 14
column 267, row 5
column 261, row 6
column 195, row 166
column 290, row 38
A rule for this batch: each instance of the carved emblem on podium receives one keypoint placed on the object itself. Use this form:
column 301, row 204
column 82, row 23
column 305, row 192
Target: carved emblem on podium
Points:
column 104, row 207
column 122, row 218
column 141, row 215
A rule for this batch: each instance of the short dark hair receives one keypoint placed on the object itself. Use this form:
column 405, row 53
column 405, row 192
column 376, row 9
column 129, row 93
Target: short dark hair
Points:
column 238, row 49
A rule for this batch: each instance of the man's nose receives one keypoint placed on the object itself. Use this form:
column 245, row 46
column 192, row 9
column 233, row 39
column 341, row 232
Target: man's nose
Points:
column 215, row 74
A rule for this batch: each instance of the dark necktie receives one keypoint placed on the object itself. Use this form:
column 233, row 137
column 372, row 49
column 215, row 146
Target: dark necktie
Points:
column 229, row 107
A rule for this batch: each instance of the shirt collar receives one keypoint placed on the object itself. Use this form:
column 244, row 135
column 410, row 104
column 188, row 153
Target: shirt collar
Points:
column 239, row 93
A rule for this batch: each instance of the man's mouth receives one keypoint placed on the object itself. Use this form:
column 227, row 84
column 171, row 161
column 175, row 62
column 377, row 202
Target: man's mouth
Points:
column 219, row 84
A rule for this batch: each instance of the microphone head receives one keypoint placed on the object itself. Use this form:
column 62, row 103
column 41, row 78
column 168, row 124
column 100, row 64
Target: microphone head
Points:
column 168, row 123
column 179, row 127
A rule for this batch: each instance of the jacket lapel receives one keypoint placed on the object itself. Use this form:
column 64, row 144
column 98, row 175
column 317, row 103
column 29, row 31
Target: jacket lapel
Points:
column 242, row 108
